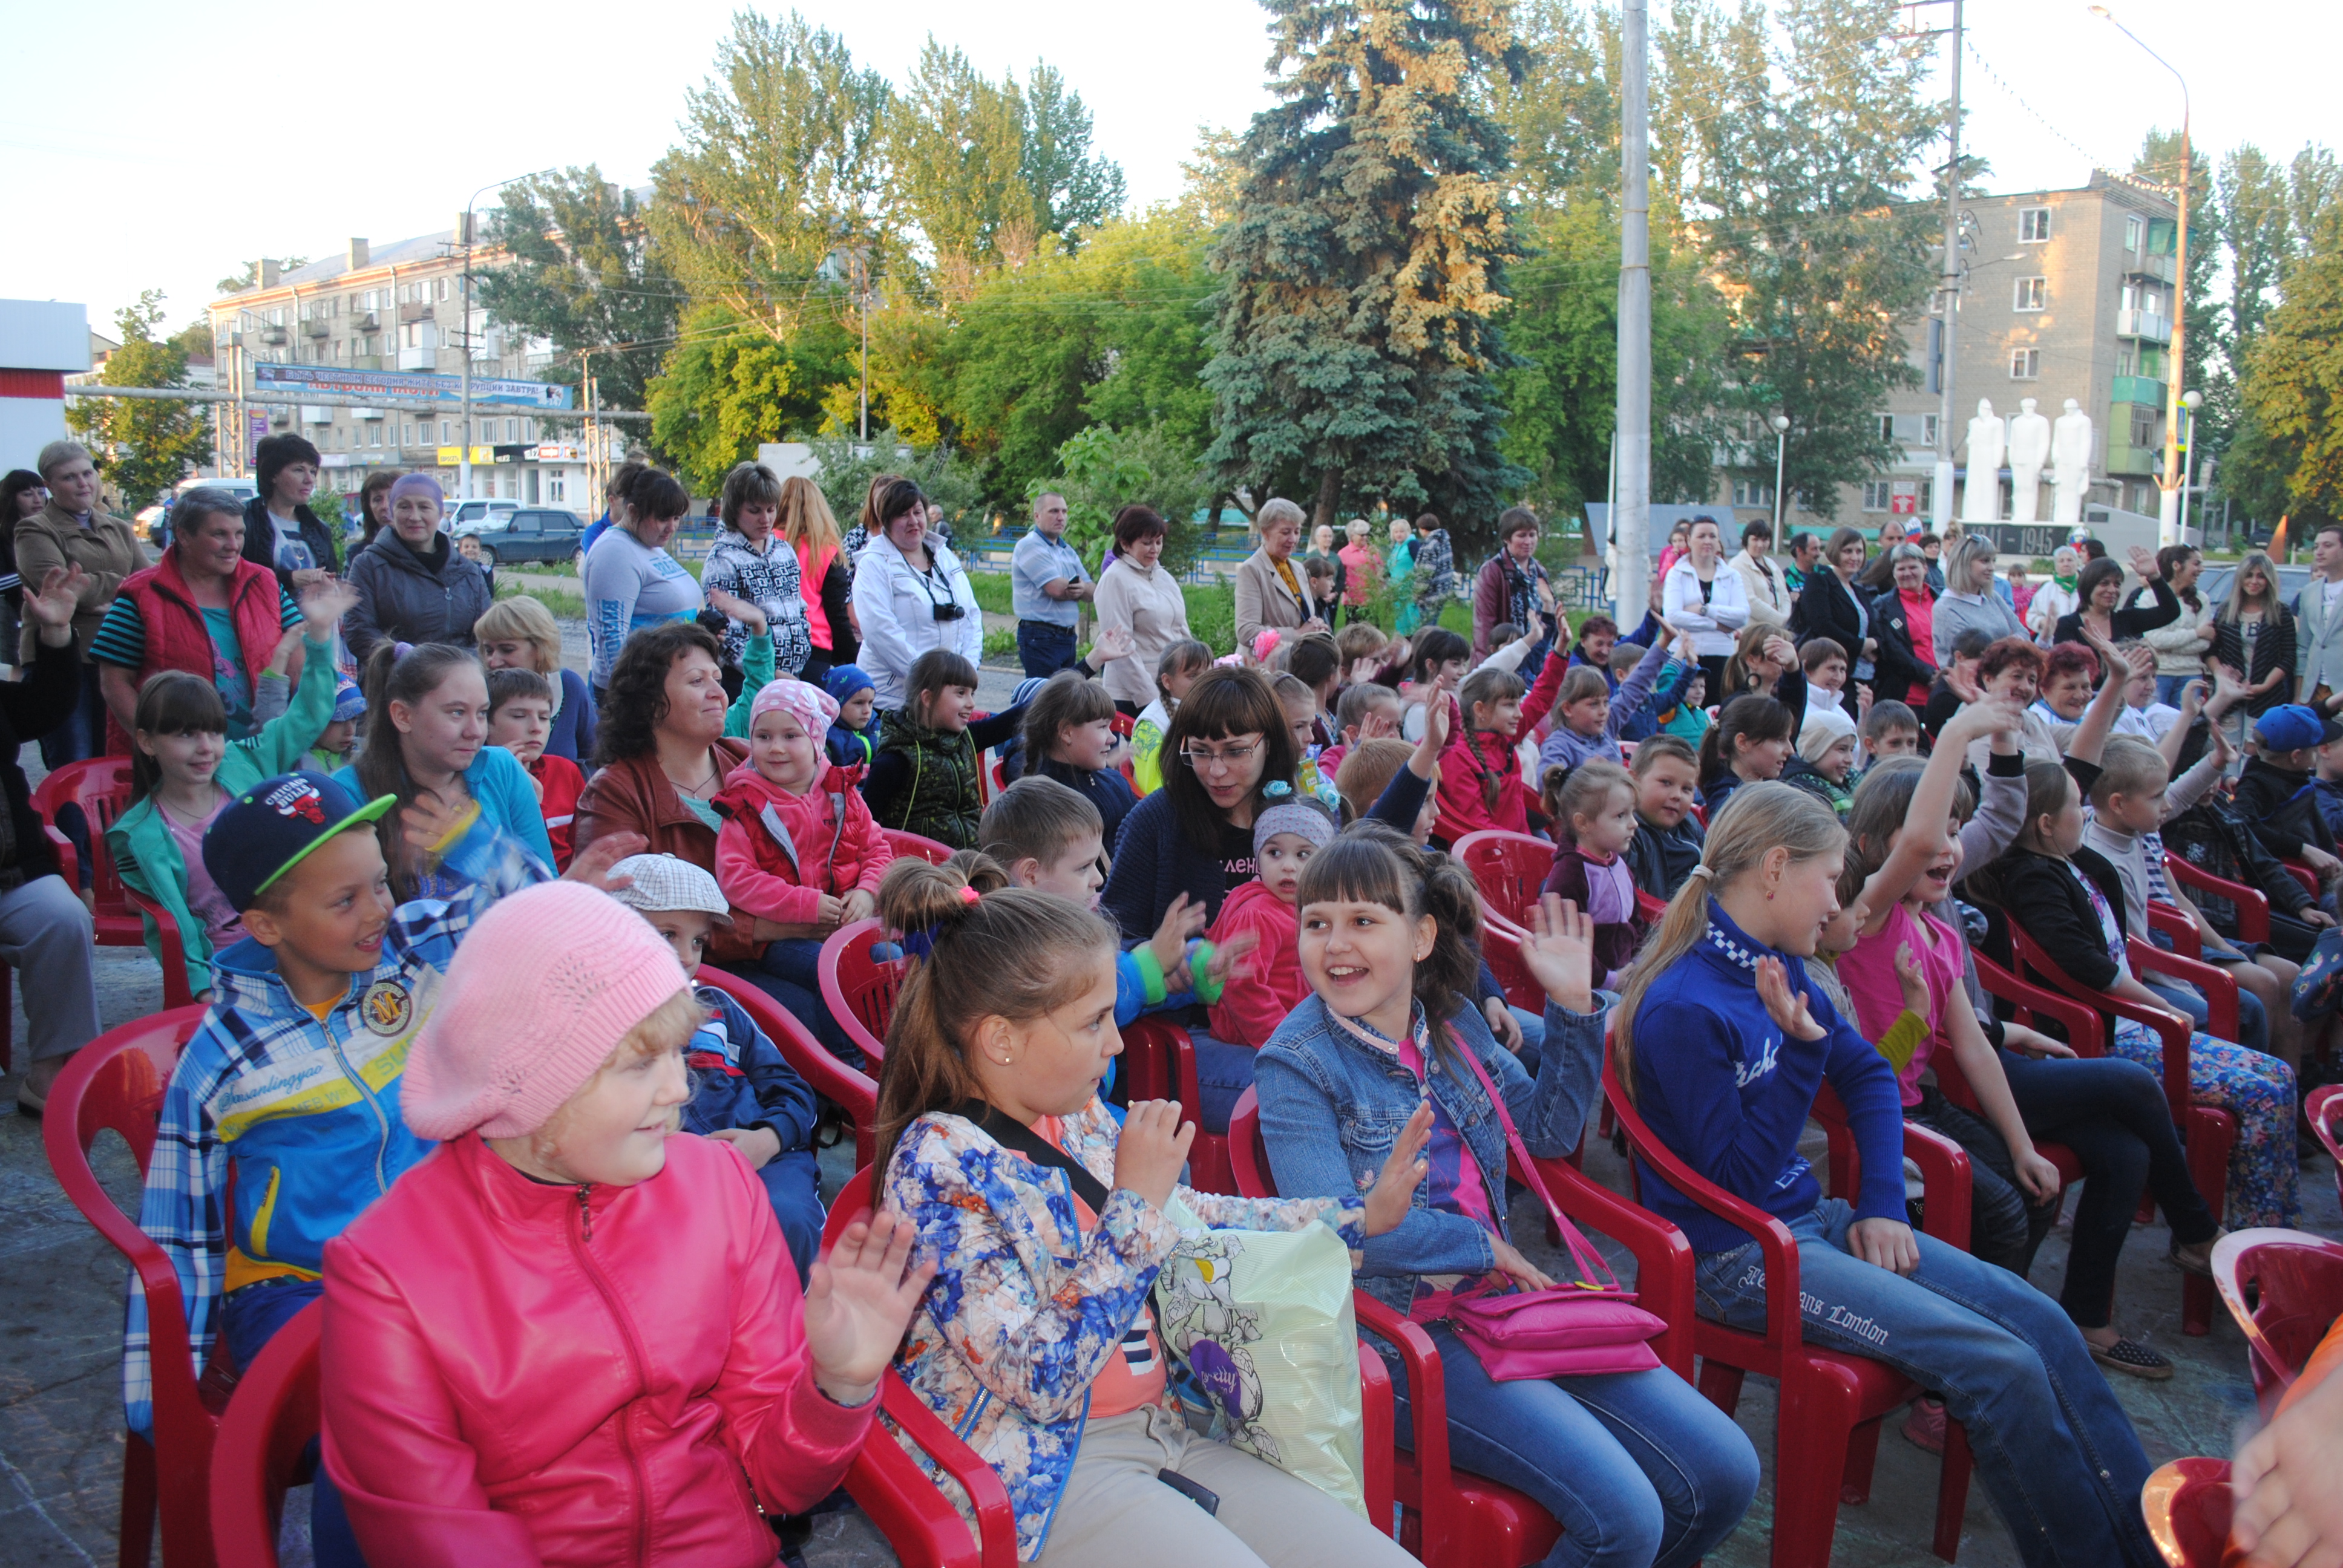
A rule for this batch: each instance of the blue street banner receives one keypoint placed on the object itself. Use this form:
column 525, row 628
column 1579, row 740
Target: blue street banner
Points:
column 390, row 384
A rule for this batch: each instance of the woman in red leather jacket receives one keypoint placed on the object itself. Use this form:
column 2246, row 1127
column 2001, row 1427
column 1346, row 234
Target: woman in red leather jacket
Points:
column 572, row 1335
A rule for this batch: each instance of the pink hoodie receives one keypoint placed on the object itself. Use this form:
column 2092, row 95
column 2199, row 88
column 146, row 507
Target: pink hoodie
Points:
column 775, row 855
column 1270, row 984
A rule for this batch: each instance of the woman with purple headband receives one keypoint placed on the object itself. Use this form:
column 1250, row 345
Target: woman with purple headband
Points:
column 413, row 586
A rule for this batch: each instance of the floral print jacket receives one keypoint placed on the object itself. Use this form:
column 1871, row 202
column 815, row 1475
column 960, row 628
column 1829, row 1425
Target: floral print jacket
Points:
column 1024, row 1312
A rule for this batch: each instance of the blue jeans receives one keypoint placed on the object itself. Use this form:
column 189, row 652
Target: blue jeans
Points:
column 790, row 971
column 1532, row 1036
column 2170, row 687
column 1223, row 1072
column 249, row 1318
column 1638, row 1468
column 2253, row 1021
column 793, row 1186
column 2049, row 1436
column 1043, row 649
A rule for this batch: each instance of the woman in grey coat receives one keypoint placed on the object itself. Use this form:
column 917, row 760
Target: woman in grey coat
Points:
column 1969, row 600
column 413, row 586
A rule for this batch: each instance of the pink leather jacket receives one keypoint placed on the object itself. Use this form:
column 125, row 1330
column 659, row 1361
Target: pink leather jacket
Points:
column 521, row 1373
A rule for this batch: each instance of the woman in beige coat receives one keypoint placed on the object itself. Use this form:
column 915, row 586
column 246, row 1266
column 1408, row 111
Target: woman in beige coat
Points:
column 74, row 529
column 1137, row 594
column 1272, row 590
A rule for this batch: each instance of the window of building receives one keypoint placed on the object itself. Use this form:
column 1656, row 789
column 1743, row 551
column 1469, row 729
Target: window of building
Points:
column 2032, row 294
column 406, row 435
column 2124, row 361
column 373, row 435
column 445, row 436
column 1875, row 495
column 528, row 431
column 1752, row 493
column 2024, row 364
column 1886, row 425
column 2033, row 225
column 1928, row 429
column 2135, row 232
column 2143, row 425
column 512, row 430
column 556, row 487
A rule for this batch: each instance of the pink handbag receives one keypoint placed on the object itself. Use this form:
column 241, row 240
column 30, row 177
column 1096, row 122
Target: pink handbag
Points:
column 1577, row 1329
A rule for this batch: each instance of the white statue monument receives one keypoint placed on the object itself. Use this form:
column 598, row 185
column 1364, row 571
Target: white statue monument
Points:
column 2070, row 465
column 2029, row 450
column 1981, row 496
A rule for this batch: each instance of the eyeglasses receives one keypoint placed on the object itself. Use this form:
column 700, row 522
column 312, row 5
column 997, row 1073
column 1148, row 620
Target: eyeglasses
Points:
column 1228, row 757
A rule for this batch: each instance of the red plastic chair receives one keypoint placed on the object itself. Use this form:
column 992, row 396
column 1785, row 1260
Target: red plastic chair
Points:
column 2187, row 1505
column 1509, row 868
column 2295, row 1280
column 827, row 1074
column 910, row 1510
column 116, row 1082
column 2303, row 874
column 927, row 849
column 2324, row 1109
column 1501, row 949
column 263, row 1441
column 2206, row 1132
column 859, row 990
column 1832, row 1404
column 101, row 788
column 2251, row 904
column 1651, row 909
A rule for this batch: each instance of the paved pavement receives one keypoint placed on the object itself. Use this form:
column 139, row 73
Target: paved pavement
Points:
column 60, row 1341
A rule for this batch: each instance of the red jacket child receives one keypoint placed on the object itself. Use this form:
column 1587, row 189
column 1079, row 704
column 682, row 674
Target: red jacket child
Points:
column 1474, row 756
column 1266, row 984
column 777, row 853
column 558, row 784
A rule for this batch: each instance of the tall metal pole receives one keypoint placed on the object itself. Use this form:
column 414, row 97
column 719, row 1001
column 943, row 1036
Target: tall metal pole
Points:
column 1948, row 297
column 1631, row 519
column 1781, row 453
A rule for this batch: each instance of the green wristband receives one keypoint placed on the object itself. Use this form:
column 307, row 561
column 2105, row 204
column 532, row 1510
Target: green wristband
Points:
column 1199, row 959
column 1151, row 974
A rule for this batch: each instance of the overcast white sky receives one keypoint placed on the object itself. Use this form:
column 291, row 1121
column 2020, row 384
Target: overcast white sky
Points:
column 157, row 145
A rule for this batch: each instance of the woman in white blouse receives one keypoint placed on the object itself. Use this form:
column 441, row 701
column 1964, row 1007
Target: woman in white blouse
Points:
column 911, row 594
column 1704, row 597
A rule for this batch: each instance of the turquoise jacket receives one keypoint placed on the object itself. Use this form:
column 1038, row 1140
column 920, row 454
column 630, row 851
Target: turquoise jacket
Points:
column 507, row 798
column 148, row 858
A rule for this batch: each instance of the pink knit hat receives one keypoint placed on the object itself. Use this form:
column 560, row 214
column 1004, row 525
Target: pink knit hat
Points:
column 545, row 986
column 815, row 708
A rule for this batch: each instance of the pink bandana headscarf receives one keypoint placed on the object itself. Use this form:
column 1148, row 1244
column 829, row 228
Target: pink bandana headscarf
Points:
column 814, row 707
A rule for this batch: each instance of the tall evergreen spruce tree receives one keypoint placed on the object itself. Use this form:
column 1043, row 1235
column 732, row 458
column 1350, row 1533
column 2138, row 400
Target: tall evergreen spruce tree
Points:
column 1353, row 353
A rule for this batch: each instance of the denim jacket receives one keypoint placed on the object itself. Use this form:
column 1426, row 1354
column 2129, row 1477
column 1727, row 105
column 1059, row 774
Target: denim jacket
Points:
column 1332, row 1106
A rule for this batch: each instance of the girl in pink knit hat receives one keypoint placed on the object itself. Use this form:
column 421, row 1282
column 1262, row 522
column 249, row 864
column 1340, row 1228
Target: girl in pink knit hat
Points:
column 798, row 847
column 572, row 1335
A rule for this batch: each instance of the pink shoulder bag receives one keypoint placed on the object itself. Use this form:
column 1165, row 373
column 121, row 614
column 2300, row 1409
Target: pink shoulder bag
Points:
column 1581, row 1328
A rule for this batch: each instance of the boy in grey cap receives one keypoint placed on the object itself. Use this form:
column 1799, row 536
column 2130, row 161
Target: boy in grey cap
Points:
column 743, row 1093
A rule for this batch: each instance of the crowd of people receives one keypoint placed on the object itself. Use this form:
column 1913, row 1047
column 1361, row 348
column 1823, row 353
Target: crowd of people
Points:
column 448, row 901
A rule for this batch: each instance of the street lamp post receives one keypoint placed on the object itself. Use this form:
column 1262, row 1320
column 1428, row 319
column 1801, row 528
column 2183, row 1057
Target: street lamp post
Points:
column 2173, row 481
column 1781, row 450
column 2191, row 401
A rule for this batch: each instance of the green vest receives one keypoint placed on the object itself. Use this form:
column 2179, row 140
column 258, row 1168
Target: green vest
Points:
column 941, row 801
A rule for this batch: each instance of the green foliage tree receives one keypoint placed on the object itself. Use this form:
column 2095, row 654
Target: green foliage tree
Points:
column 729, row 386
column 583, row 275
column 847, row 467
column 2294, row 388
column 1353, row 349
column 1100, row 471
column 142, row 447
column 248, row 275
column 1809, row 127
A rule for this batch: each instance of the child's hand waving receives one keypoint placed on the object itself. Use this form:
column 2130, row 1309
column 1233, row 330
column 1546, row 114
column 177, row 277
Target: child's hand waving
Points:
column 1151, row 1150
column 324, row 603
column 859, row 1298
column 1785, row 1007
column 1559, row 952
column 1394, row 1190
column 593, row 863
column 1181, row 921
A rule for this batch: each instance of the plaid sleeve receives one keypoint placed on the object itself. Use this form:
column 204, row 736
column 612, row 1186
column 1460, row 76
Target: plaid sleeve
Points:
column 492, row 864
column 181, row 1211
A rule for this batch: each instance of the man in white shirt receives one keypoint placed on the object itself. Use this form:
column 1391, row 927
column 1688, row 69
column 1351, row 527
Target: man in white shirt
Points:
column 2319, row 613
column 1047, row 585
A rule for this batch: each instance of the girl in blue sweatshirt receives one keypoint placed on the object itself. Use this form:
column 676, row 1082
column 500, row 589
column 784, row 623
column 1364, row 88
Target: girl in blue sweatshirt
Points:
column 1723, row 1042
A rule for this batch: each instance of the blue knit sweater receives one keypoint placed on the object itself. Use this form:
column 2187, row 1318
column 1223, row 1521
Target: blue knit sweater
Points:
column 1727, row 1094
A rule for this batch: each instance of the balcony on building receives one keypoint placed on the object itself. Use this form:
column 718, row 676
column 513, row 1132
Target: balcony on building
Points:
column 415, row 310
column 272, row 335
column 2148, row 265
column 422, row 358
column 365, row 413
column 365, row 362
column 2150, row 326
column 2144, row 390
column 316, row 327
column 365, row 321
column 316, row 414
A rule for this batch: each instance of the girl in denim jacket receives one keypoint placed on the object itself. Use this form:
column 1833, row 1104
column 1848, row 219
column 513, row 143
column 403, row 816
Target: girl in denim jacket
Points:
column 1048, row 1225
column 1637, row 1466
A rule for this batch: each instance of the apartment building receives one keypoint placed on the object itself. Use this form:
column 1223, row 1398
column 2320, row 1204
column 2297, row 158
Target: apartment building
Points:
column 2065, row 294
column 395, row 308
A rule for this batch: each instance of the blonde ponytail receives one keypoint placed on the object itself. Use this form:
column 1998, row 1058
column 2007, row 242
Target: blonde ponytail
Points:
column 1759, row 817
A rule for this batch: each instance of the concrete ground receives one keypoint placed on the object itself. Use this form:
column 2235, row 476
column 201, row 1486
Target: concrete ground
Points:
column 60, row 1355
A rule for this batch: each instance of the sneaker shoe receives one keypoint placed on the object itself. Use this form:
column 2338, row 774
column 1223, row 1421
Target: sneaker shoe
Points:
column 1925, row 1427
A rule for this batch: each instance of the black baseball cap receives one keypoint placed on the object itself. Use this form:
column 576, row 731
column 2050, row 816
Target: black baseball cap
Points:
column 272, row 827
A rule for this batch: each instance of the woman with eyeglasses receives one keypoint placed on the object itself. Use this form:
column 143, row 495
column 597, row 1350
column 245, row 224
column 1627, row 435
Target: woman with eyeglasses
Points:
column 910, row 596
column 1227, row 756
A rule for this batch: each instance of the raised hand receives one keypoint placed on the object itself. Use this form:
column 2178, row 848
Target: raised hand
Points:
column 1181, row 921
column 859, row 1299
column 1558, row 949
column 1377, row 727
column 1225, row 961
column 1394, row 1192
column 1152, row 1148
column 1363, row 670
column 1781, row 653
column 592, row 864
column 1787, row 1008
column 54, row 603
column 1113, row 642
column 735, row 607
column 2143, row 563
column 324, row 603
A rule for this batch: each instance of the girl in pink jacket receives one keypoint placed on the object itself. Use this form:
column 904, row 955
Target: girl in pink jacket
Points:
column 1267, row 985
column 572, row 1335
column 798, row 847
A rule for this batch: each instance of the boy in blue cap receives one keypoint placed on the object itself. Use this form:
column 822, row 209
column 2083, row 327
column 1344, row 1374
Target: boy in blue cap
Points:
column 340, row 737
column 849, row 743
column 2276, row 792
column 291, row 1082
